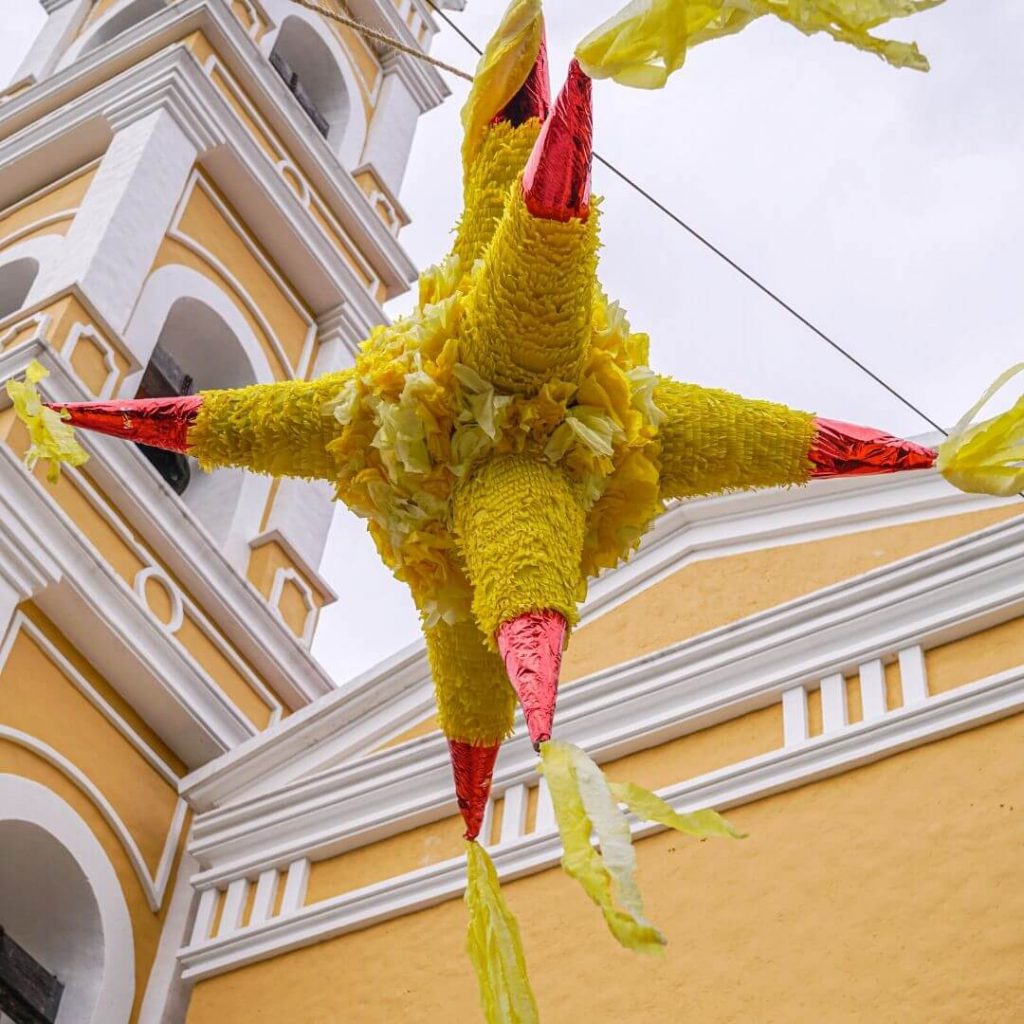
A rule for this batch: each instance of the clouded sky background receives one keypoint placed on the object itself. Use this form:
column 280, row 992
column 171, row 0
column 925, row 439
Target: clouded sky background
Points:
column 887, row 206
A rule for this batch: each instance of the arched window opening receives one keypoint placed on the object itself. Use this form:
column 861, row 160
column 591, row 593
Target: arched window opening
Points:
column 309, row 69
column 197, row 351
column 121, row 22
column 52, row 930
column 16, row 280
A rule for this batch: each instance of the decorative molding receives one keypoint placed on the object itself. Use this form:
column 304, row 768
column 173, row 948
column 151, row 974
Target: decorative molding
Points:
column 154, row 572
column 288, row 574
column 50, row 220
column 933, row 598
column 342, row 726
column 965, row 708
column 75, row 335
column 312, row 574
column 77, row 95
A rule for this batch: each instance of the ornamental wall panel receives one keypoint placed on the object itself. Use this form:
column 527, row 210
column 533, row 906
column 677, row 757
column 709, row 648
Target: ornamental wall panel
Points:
column 48, row 210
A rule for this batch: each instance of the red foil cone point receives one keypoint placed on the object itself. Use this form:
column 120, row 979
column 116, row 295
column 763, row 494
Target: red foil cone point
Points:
column 556, row 182
column 845, row 449
column 534, row 96
column 473, row 768
column 531, row 647
column 158, row 422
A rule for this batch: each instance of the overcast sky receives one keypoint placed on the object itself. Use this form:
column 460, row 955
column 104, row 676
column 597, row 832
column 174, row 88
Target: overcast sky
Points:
column 887, row 206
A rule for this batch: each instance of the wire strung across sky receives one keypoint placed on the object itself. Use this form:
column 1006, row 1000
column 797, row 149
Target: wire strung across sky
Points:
column 708, row 244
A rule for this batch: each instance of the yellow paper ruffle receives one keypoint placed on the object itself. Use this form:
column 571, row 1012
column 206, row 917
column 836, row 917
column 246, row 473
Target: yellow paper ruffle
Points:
column 988, row 457
column 52, row 440
column 586, row 805
column 501, row 71
column 494, row 945
column 648, row 39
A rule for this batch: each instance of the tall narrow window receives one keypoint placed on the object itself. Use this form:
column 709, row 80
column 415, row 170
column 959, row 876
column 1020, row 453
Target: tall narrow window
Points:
column 16, row 280
column 291, row 79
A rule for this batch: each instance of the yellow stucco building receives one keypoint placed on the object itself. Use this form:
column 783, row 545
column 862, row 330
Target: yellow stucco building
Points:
column 198, row 827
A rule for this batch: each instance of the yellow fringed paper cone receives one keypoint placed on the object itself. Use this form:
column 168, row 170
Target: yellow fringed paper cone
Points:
column 584, row 803
column 502, row 69
column 52, row 439
column 987, row 458
column 648, row 39
column 494, row 945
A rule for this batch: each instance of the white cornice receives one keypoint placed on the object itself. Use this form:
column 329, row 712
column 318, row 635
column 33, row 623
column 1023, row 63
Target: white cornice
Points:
column 690, row 531
column 121, row 70
column 947, row 714
column 932, row 598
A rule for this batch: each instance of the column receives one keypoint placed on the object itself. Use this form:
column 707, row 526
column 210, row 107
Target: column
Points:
column 389, row 139
column 124, row 216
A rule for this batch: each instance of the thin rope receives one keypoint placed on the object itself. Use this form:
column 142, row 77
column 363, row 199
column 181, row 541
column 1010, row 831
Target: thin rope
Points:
column 708, row 244
column 383, row 38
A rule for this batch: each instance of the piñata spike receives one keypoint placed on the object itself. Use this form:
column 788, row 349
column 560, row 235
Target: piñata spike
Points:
column 531, row 647
column 845, row 449
column 534, row 96
column 472, row 768
column 556, row 182
column 157, row 422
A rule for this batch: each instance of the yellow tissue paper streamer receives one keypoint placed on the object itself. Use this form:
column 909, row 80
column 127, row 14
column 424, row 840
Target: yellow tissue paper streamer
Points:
column 494, row 945
column 585, row 803
column 987, row 458
column 501, row 71
column 52, row 438
column 648, row 39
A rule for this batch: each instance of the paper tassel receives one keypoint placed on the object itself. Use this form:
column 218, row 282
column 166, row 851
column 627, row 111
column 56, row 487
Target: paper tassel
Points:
column 648, row 39
column 53, row 440
column 494, row 945
column 987, row 458
column 584, row 803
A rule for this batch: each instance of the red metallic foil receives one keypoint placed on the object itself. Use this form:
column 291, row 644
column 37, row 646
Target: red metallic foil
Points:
column 845, row 449
column 473, row 769
column 531, row 646
column 157, row 422
column 556, row 182
column 534, row 96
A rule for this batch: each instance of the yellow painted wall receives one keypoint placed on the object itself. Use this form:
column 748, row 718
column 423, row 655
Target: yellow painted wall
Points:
column 705, row 595
column 893, row 893
column 38, row 698
column 264, row 564
column 57, row 198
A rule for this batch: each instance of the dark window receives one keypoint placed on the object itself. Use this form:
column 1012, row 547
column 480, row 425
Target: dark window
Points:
column 163, row 378
column 29, row 994
column 291, row 79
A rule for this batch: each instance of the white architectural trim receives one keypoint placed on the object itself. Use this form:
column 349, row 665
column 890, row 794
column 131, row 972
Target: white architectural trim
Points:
column 152, row 886
column 933, row 598
column 46, row 250
column 75, row 335
column 342, row 726
column 787, row 768
column 154, row 572
column 177, row 539
column 39, row 321
column 288, row 574
column 166, row 998
column 28, row 801
column 50, row 220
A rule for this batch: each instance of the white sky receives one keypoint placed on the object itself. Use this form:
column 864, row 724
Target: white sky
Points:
column 887, row 206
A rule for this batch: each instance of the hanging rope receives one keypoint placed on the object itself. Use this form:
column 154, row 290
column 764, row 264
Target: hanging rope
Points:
column 383, row 38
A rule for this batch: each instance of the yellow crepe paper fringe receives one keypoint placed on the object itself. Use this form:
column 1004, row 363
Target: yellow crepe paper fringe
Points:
column 52, row 439
column 475, row 703
column 494, row 945
column 585, row 804
column 714, row 441
column 648, row 39
column 501, row 71
column 987, row 458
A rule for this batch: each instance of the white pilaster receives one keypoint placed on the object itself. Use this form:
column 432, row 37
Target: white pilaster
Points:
column 59, row 29
column 389, row 139
column 124, row 216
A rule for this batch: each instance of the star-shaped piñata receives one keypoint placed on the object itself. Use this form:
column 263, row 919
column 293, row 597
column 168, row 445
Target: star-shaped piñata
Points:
column 507, row 441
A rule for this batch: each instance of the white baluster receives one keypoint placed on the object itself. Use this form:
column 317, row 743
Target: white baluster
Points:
column 795, row 727
column 833, row 703
column 872, row 689
column 294, row 897
column 234, row 907
column 513, row 818
column 263, row 901
column 913, row 676
column 204, row 916
column 545, row 820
